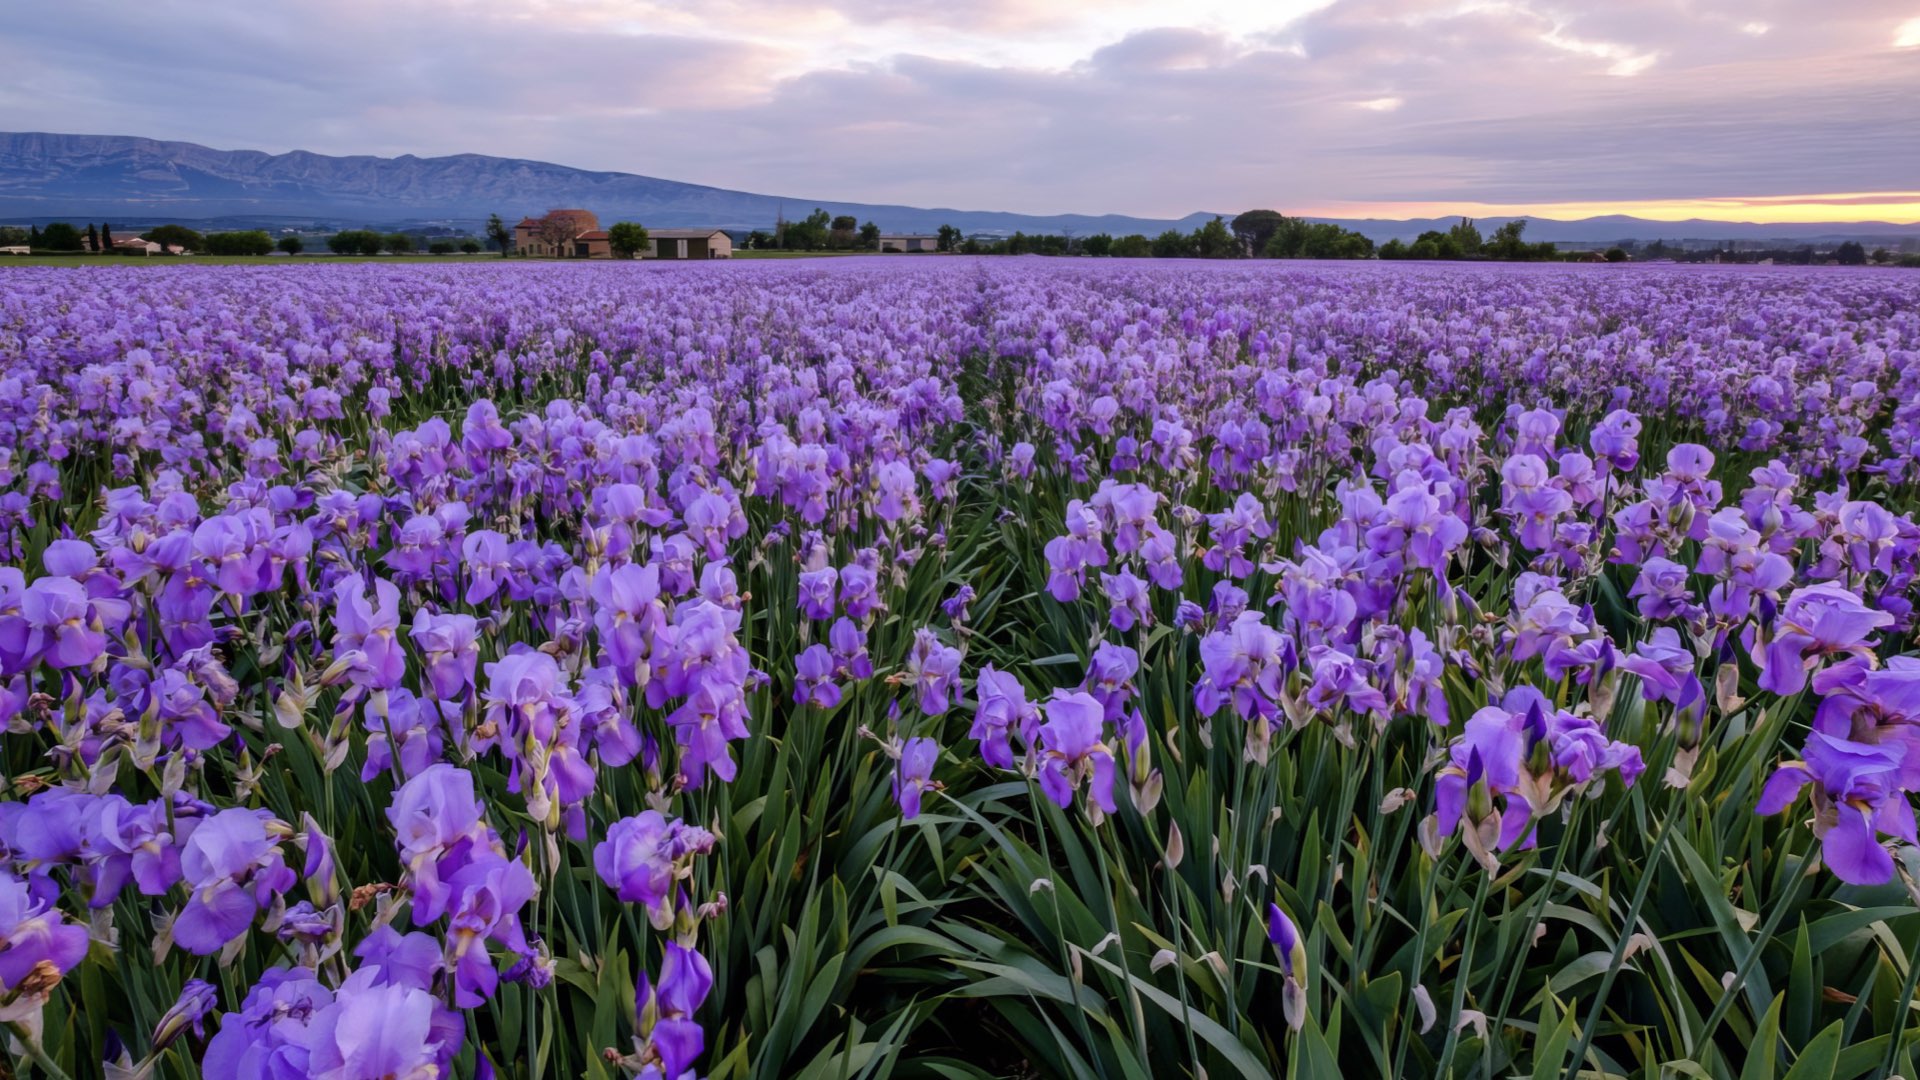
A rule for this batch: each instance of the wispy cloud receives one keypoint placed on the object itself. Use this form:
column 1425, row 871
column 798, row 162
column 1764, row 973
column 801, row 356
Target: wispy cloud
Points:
column 1143, row 106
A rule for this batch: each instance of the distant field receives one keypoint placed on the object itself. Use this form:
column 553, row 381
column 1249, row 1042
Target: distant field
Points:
column 332, row 260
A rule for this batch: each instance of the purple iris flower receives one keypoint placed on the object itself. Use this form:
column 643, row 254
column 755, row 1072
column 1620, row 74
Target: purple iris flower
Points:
column 1286, row 941
column 66, row 625
column 403, row 959
column 451, row 645
column 410, row 730
column 1615, row 440
column 1127, row 601
column 1662, row 590
column 490, row 564
column 942, row 475
column 188, row 1013
column 641, row 858
column 665, row 1010
column 267, row 1038
column 1071, row 750
column 956, row 605
column 933, row 669
column 627, row 614
column 913, row 774
column 33, row 932
column 1001, row 708
column 131, row 841
column 1338, row 677
column 895, row 490
column 1877, row 706
column 1817, row 621
column 232, row 869
column 1243, row 665
column 1856, row 795
column 817, row 592
column 485, row 898
column 231, row 554
column 849, row 644
column 382, row 1029
column 859, row 591
column 813, row 677
column 1667, row 670
column 369, row 632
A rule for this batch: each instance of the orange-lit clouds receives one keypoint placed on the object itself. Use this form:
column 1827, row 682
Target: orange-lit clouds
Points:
column 1895, row 207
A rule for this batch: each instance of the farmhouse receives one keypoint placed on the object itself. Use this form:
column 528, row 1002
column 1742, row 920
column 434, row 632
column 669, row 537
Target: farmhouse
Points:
column 905, row 242
column 133, row 245
column 16, row 249
column 576, row 234
column 689, row 244
column 561, row 234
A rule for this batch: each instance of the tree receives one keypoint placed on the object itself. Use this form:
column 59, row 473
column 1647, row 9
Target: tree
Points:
column 870, row 236
column 440, row 247
column 949, row 238
column 806, row 235
column 397, row 243
column 1098, row 244
column 1851, row 253
column 470, row 246
column 842, row 231
column 758, row 239
column 239, row 242
column 1466, row 236
column 1172, row 244
column 1507, row 243
column 1616, row 254
column 106, row 237
column 34, row 238
column 1393, row 249
column 175, row 236
column 627, row 239
column 1214, row 241
column 292, row 245
column 1880, row 255
column 1255, row 227
column 12, row 236
column 61, row 236
column 498, row 234
column 1132, row 246
column 555, row 232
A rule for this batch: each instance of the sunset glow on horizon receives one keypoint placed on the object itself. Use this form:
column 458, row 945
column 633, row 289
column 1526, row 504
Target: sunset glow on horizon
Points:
column 1893, row 208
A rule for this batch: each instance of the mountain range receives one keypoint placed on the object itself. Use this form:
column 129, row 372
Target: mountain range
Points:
column 144, row 181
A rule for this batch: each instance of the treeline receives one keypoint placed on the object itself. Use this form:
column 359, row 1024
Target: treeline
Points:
column 1269, row 234
column 1463, row 241
column 369, row 242
column 60, row 236
column 821, row 231
column 1849, row 253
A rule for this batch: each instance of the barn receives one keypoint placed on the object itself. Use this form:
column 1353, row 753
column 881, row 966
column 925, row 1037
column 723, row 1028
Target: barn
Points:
column 689, row 244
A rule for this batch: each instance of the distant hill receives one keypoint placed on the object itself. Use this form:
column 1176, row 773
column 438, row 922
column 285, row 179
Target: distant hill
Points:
column 48, row 176
column 83, row 176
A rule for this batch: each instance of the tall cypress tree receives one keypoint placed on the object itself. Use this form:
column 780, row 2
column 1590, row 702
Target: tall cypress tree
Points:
column 93, row 238
column 106, row 237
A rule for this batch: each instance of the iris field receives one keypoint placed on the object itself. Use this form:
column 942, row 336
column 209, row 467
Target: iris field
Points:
column 955, row 668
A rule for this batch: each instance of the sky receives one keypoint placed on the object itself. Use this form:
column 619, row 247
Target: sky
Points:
column 1753, row 110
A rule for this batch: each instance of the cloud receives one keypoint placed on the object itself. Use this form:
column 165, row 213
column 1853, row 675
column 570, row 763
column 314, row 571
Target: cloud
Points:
column 1141, row 106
